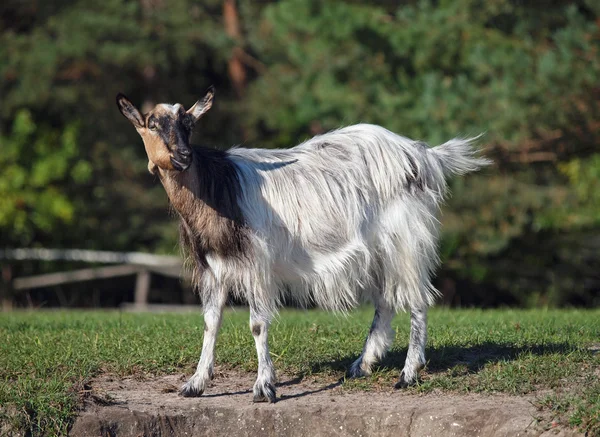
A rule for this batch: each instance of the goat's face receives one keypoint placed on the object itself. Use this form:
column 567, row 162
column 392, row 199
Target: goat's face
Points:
column 166, row 130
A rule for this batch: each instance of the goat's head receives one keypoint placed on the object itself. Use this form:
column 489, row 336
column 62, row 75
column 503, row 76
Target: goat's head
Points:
column 166, row 130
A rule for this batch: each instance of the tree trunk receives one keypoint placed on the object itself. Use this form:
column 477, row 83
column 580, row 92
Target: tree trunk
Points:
column 235, row 67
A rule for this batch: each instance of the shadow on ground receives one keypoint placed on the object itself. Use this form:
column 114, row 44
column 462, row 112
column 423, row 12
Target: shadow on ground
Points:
column 442, row 359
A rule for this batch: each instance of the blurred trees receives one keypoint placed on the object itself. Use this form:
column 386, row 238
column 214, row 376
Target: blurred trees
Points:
column 74, row 172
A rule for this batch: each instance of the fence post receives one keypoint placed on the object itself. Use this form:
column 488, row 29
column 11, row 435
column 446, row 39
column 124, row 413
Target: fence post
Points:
column 6, row 289
column 142, row 288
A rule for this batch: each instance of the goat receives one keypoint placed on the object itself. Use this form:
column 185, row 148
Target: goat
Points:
column 345, row 216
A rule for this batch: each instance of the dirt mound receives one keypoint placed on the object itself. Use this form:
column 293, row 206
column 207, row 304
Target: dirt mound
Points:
column 309, row 407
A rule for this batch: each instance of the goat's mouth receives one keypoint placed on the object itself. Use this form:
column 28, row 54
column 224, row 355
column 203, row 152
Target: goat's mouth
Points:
column 181, row 159
column 179, row 165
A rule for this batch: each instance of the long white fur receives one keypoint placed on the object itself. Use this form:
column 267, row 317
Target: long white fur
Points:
column 337, row 217
column 345, row 216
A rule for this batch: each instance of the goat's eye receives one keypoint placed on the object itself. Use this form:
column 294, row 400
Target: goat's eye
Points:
column 152, row 125
column 188, row 122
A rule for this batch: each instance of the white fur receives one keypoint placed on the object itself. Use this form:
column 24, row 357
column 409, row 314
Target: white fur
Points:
column 173, row 109
column 336, row 217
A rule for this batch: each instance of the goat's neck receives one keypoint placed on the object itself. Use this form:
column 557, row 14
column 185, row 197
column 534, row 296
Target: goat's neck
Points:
column 182, row 188
column 210, row 186
column 206, row 198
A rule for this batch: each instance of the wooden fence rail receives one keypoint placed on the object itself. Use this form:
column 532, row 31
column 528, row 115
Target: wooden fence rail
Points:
column 90, row 256
column 128, row 263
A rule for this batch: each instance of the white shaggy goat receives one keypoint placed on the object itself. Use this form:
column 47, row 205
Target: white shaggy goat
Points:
column 344, row 216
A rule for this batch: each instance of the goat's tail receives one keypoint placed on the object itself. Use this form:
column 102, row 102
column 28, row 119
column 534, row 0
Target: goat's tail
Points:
column 460, row 156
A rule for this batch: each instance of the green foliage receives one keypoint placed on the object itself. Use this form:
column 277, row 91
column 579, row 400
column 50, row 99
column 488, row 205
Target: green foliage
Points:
column 584, row 178
column 525, row 76
column 435, row 70
column 429, row 71
column 36, row 162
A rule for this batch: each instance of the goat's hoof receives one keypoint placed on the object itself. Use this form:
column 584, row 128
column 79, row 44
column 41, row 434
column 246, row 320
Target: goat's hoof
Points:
column 405, row 382
column 402, row 384
column 189, row 390
column 356, row 372
column 189, row 393
column 264, row 393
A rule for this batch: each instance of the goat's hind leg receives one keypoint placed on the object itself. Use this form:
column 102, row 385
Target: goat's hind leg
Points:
column 264, row 388
column 378, row 341
column 415, row 358
column 213, row 313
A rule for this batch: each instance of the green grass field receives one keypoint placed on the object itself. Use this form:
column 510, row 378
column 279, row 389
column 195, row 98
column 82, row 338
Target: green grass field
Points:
column 46, row 357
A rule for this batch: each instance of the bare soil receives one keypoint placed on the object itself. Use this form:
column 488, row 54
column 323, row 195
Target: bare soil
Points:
column 307, row 407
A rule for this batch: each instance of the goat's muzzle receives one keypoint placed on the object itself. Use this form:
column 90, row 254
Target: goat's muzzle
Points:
column 181, row 159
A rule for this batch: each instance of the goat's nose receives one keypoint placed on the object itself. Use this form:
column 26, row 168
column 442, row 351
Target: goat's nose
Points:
column 185, row 152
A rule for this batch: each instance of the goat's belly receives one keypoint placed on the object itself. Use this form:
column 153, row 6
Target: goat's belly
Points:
column 308, row 264
column 331, row 280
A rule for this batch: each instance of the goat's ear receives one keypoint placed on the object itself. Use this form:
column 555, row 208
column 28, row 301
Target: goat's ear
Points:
column 202, row 105
column 130, row 111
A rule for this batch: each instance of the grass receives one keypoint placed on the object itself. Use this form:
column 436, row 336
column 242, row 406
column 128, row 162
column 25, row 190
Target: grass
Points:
column 46, row 358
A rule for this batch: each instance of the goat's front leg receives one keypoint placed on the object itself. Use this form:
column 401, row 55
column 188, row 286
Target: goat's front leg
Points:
column 213, row 313
column 415, row 358
column 264, row 388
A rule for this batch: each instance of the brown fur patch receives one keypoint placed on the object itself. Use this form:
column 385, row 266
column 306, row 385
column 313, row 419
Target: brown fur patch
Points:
column 156, row 149
column 205, row 197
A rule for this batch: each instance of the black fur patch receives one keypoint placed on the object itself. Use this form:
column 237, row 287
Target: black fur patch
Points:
column 375, row 321
column 256, row 330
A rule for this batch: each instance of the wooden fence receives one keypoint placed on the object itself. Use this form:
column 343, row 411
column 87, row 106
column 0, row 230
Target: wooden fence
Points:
column 142, row 265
